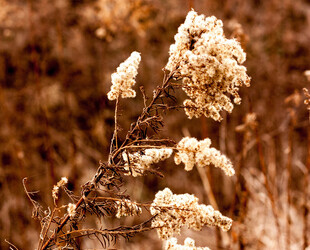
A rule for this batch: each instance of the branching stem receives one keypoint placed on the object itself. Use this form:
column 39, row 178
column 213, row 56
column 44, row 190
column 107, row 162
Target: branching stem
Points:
column 113, row 155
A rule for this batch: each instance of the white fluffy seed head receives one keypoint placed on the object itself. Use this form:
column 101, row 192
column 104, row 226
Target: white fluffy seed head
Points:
column 63, row 181
column 71, row 210
column 189, row 244
column 136, row 163
column 209, row 65
column 190, row 151
column 175, row 211
column 124, row 78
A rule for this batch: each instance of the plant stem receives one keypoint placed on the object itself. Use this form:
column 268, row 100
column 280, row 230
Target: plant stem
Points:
column 159, row 91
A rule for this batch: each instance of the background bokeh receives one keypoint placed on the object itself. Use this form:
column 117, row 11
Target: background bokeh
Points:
column 56, row 58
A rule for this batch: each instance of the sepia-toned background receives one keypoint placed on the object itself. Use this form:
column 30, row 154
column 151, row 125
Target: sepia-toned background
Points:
column 56, row 58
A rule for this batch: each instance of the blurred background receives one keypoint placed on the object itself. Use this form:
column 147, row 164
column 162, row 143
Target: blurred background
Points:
column 56, row 58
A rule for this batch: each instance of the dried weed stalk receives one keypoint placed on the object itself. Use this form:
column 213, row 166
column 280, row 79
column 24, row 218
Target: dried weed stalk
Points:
column 205, row 65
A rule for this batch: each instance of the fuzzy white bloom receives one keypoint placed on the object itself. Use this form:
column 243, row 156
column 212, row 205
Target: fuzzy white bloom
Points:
column 175, row 211
column 137, row 162
column 209, row 65
column 124, row 78
column 71, row 209
column 63, row 181
column 189, row 244
column 127, row 208
column 191, row 152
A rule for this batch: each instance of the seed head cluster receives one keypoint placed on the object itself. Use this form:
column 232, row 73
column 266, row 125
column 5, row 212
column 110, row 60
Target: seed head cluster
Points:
column 189, row 244
column 191, row 152
column 124, row 78
column 209, row 66
column 71, row 210
column 175, row 211
column 138, row 162
column 127, row 208
column 63, row 181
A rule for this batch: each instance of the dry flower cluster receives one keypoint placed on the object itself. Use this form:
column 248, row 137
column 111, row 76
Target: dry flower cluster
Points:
column 189, row 244
column 56, row 61
column 124, row 78
column 175, row 211
column 191, row 152
column 137, row 163
column 208, row 64
column 55, row 191
column 127, row 208
column 71, row 210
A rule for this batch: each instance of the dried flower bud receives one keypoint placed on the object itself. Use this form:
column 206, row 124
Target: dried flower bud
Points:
column 127, row 208
column 63, row 181
column 124, row 78
column 209, row 65
column 71, row 210
column 189, row 244
column 191, row 152
column 138, row 162
column 175, row 211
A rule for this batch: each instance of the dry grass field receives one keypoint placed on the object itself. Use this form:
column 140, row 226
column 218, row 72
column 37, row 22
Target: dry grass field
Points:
column 56, row 120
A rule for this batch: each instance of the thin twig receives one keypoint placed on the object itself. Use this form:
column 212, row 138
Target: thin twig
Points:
column 146, row 146
column 12, row 246
column 207, row 187
column 47, row 228
column 27, row 193
column 113, row 156
column 84, row 232
column 114, row 143
column 145, row 112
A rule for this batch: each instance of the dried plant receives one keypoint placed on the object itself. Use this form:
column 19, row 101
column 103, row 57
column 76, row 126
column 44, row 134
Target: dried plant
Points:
column 207, row 66
column 188, row 244
column 307, row 100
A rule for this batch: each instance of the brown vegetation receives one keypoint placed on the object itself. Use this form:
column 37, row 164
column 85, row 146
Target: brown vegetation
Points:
column 56, row 59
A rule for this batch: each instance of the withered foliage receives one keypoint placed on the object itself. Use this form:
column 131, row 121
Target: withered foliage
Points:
column 56, row 58
column 99, row 196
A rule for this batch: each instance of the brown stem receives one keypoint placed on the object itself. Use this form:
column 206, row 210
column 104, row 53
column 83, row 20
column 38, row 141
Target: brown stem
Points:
column 205, row 176
column 135, row 127
column 266, row 182
column 207, row 187
column 112, row 157
column 12, row 246
column 289, row 177
column 306, row 187
column 114, row 137
column 83, row 232
column 27, row 193
column 241, row 191
column 62, row 224
column 47, row 228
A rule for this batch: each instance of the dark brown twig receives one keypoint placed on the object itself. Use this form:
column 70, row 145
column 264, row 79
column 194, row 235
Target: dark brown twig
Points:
column 12, row 246
column 135, row 128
